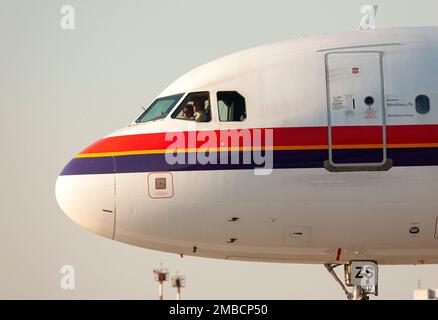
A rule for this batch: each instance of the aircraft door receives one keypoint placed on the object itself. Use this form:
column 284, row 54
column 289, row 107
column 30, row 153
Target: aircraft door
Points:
column 356, row 111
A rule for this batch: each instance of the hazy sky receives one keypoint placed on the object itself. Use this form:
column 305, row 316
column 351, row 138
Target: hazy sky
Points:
column 61, row 90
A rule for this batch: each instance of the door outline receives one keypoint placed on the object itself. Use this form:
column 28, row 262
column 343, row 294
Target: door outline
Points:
column 436, row 229
column 386, row 163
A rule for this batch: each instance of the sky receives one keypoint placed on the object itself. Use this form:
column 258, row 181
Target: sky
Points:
column 61, row 90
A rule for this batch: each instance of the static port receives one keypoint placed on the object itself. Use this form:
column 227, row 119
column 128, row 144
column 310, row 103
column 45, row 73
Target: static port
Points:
column 414, row 230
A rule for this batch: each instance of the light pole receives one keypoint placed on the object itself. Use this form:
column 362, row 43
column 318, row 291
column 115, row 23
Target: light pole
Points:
column 178, row 282
column 161, row 275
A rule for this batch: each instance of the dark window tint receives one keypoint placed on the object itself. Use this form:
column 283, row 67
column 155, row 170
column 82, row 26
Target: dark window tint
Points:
column 195, row 107
column 231, row 106
column 422, row 104
column 159, row 109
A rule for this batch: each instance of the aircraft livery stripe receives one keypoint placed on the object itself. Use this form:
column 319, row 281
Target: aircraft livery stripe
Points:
column 282, row 159
column 278, row 148
column 314, row 138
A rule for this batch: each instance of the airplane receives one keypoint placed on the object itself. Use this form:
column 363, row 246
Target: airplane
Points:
column 317, row 150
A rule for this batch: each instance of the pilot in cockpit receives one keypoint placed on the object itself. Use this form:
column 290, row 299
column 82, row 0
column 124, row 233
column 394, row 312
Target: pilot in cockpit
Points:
column 199, row 108
column 188, row 113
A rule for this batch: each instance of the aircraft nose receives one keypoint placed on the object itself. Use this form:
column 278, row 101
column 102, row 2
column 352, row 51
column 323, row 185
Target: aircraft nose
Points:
column 88, row 199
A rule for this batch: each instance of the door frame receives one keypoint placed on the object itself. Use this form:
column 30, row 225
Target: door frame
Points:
column 386, row 163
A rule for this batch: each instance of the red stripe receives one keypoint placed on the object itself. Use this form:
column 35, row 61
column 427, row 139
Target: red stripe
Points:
column 151, row 141
column 412, row 134
column 304, row 136
column 357, row 135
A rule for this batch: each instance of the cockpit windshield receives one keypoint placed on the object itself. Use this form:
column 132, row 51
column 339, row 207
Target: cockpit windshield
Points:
column 159, row 109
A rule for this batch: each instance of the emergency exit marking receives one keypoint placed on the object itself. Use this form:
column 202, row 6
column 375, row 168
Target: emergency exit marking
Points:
column 355, row 70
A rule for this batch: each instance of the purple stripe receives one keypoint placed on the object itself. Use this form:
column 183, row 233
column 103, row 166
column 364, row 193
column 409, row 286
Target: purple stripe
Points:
column 357, row 155
column 78, row 166
column 157, row 162
column 282, row 160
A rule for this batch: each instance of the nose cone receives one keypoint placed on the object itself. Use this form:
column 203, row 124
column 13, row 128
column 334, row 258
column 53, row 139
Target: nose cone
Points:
column 88, row 200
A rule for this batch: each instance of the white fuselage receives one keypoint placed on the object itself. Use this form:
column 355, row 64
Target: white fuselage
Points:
column 351, row 180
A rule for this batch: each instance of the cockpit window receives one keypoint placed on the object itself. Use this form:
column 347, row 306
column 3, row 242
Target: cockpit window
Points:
column 195, row 107
column 159, row 109
column 231, row 106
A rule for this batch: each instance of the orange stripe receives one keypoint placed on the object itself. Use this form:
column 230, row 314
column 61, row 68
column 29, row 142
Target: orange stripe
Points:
column 277, row 148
